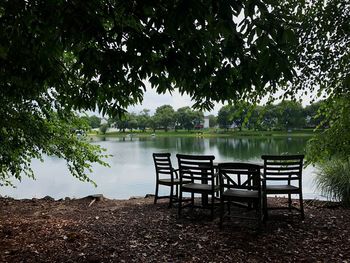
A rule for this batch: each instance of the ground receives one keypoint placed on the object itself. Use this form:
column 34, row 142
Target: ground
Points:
column 83, row 230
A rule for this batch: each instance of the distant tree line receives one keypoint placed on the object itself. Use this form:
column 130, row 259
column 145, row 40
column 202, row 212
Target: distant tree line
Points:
column 165, row 117
column 283, row 116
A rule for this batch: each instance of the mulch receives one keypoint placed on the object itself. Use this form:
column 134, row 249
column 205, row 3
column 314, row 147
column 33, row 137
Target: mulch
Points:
column 84, row 230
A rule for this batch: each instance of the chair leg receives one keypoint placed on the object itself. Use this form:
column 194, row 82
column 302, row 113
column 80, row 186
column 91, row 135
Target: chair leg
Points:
column 290, row 202
column 259, row 212
column 222, row 208
column 265, row 207
column 301, row 205
column 229, row 207
column 171, row 196
column 156, row 193
column 180, row 202
column 177, row 191
column 212, row 206
column 192, row 200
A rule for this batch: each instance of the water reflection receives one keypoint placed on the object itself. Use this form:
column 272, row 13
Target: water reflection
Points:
column 132, row 171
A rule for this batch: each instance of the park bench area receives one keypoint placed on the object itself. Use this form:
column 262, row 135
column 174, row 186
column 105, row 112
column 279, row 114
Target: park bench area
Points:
column 230, row 183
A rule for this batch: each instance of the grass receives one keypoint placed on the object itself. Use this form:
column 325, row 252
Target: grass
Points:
column 333, row 179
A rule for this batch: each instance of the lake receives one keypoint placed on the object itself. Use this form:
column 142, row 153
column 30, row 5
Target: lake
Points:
column 132, row 169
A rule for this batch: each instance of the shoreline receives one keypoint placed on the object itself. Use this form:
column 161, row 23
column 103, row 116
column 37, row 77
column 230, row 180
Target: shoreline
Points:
column 101, row 197
column 208, row 134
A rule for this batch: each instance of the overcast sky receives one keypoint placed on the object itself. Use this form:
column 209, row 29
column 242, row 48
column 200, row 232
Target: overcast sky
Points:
column 152, row 100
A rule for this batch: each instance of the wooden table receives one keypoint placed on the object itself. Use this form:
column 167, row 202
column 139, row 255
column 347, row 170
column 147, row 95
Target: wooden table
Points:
column 216, row 168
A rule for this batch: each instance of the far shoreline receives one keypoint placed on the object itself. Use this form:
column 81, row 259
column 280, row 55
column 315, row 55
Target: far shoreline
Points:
column 206, row 133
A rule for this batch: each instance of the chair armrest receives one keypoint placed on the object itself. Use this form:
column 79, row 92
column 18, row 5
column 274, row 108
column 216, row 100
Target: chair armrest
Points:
column 262, row 177
column 187, row 171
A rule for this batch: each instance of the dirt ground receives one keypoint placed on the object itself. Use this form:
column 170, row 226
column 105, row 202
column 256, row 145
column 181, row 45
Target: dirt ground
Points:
column 84, row 230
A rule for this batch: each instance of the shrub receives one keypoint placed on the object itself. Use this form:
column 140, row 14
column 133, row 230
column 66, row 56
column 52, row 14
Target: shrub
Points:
column 333, row 179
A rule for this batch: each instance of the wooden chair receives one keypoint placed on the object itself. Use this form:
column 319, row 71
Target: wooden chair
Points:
column 240, row 184
column 199, row 171
column 165, row 175
column 283, row 170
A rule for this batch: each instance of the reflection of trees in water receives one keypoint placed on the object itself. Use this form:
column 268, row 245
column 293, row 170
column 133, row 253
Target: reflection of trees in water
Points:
column 192, row 145
column 176, row 144
column 250, row 148
column 228, row 148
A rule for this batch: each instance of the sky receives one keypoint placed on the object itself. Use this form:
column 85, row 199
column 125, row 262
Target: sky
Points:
column 152, row 100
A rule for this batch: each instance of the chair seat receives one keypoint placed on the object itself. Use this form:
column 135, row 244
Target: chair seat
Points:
column 199, row 187
column 281, row 188
column 168, row 181
column 241, row 193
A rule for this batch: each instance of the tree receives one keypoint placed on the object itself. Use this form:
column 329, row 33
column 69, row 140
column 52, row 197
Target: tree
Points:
column 153, row 123
column 330, row 149
column 240, row 113
column 236, row 114
column 104, row 128
column 122, row 121
column 143, row 119
column 334, row 142
column 132, row 123
column 313, row 114
column 256, row 118
column 60, row 56
column 324, row 48
column 324, row 51
column 184, row 118
column 224, row 117
column 188, row 119
column 270, row 118
column 94, row 121
column 53, row 135
column 165, row 116
column 289, row 115
column 213, row 121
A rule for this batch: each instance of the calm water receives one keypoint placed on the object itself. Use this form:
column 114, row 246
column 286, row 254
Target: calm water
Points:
column 132, row 170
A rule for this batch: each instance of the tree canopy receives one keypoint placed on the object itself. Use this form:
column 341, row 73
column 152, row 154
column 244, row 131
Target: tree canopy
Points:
column 98, row 53
column 324, row 48
column 60, row 56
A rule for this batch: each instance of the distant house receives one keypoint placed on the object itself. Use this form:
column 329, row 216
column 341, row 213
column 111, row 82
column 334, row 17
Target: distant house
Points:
column 233, row 125
column 113, row 125
column 206, row 122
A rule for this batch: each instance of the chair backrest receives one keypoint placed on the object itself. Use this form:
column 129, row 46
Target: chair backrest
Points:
column 162, row 163
column 244, row 176
column 196, row 168
column 283, row 167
